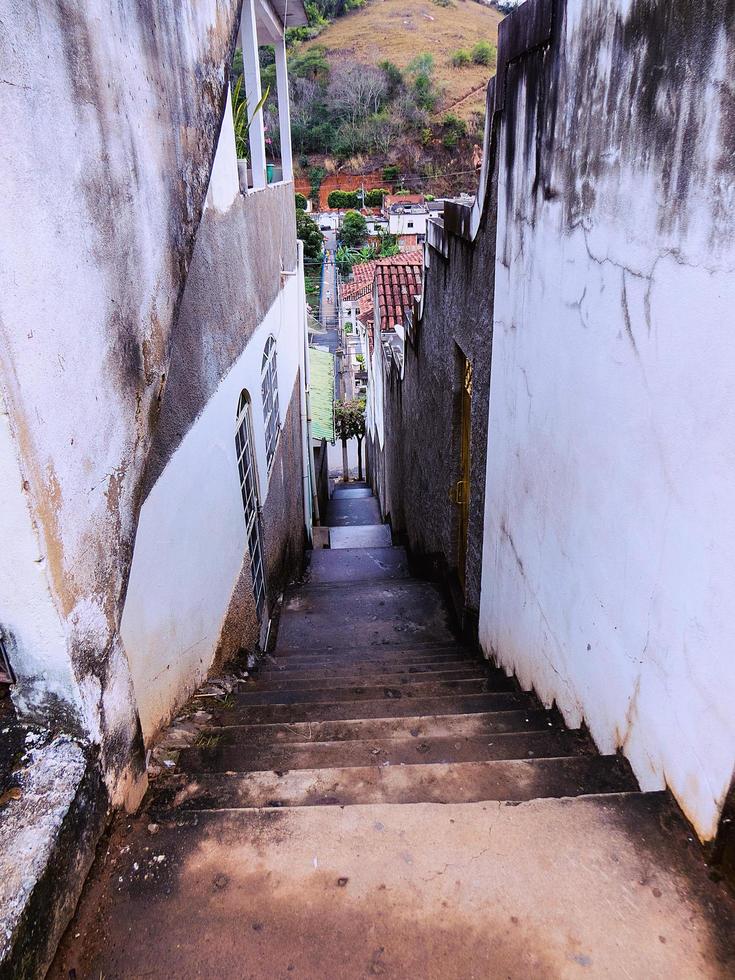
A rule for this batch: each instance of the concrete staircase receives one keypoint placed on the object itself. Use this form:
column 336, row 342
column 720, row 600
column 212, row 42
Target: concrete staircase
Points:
column 379, row 801
column 369, row 698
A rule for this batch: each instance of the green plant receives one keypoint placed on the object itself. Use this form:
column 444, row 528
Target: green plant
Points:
column 301, row 201
column 483, row 53
column 308, row 231
column 344, row 199
column 353, row 232
column 240, row 117
column 360, row 358
column 391, row 173
column 453, row 129
column 374, row 198
column 461, row 58
column 348, row 327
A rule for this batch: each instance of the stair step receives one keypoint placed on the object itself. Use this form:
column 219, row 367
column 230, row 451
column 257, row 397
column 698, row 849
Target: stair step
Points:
column 367, row 536
column 337, row 679
column 348, row 512
column 359, row 671
column 481, row 724
column 381, row 708
column 351, row 493
column 411, row 690
column 515, row 780
column 376, row 611
column 383, row 752
column 356, row 565
column 398, row 653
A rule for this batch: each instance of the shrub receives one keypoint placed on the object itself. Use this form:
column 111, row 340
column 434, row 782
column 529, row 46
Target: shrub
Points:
column 453, row 129
column 343, row 199
column 308, row 231
column 374, row 198
column 461, row 58
column 353, row 232
column 301, row 201
column 390, row 173
column 483, row 53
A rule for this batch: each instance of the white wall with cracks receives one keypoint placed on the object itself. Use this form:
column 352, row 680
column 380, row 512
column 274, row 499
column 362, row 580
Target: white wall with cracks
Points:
column 609, row 536
column 191, row 534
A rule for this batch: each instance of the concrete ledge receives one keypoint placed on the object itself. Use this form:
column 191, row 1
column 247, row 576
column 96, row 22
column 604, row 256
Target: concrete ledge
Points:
column 47, row 844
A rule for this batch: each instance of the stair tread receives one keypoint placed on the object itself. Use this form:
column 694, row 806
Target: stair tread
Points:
column 380, row 708
column 355, row 565
column 458, row 782
column 480, row 723
column 410, row 689
column 316, row 680
column 370, row 668
column 548, row 743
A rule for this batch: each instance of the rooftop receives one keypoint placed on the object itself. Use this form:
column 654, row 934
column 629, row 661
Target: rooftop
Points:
column 397, row 281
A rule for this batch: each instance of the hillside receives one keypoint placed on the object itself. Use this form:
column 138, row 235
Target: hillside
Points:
column 395, row 83
column 399, row 30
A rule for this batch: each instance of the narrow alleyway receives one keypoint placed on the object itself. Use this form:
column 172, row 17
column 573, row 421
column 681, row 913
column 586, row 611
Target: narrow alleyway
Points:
column 378, row 801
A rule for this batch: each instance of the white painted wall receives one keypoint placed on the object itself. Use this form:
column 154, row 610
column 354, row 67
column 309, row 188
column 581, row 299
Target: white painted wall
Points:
column 608, row 570
column 191, row 535
column 224, row 183
column 407, row 224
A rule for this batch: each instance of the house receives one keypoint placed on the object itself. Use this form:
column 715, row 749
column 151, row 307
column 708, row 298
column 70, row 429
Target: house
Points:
column 155, row 463
column 407, row 216
column 553, row 435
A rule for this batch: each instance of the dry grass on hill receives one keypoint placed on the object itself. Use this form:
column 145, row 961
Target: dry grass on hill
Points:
column 398, row 30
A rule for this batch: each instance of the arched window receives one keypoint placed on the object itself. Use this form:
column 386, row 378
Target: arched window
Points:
column 269, row 389
column 244, row 447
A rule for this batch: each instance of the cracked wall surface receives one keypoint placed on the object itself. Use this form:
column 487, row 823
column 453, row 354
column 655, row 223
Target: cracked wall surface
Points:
column 108, row 125
column 609, row 526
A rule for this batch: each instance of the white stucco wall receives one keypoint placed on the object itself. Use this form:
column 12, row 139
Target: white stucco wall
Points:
column 608, row 569
column 224, row 182
column 407, row 224
column 191, row 534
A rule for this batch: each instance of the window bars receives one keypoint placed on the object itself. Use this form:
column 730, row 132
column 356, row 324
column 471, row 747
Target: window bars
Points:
column 249, row 489
column 269, row 390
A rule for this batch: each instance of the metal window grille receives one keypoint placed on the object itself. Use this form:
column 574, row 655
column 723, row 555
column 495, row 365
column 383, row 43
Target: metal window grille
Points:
column 269, row 390
column 249, row 490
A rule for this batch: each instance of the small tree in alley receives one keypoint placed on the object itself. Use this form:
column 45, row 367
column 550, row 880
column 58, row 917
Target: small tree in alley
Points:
column 349, row 418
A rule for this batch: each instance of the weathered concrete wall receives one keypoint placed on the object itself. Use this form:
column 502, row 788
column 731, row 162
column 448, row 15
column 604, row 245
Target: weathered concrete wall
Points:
column 609, row 527
column 108, row 123
column 418, row 461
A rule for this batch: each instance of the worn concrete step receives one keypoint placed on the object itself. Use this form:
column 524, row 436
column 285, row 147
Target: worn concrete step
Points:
column 461, row 782
column 356, row 565
column 606, row 886
column 481, row 724
column 385, row 752
column 350, row 512
column 351, row 493
column 347, row 662
column 317, row 680
column 391, row 692
column 372, row 651
column 450, row 704
column 359, row 671
column 366, row 536
column 392, row 611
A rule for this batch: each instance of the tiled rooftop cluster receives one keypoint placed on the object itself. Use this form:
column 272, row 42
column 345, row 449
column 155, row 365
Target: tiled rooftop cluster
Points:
column 397, row 283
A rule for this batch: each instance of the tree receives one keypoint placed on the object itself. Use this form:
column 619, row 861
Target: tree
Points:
column 301, row 201
column 353, row 232
column 308, row 231
column 349, row 418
